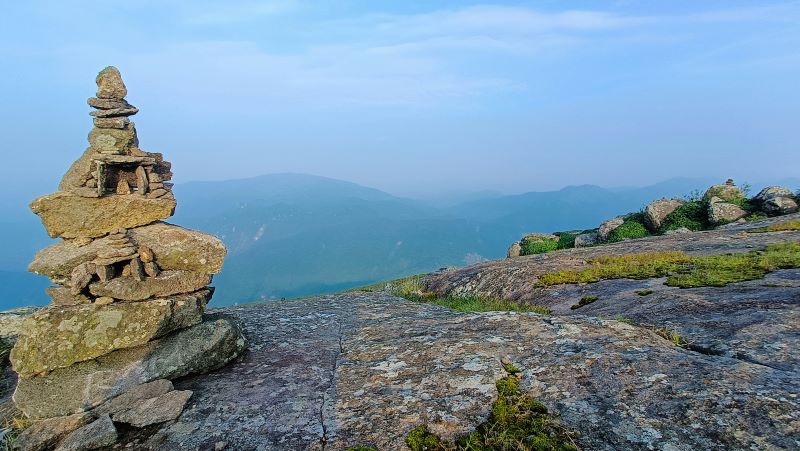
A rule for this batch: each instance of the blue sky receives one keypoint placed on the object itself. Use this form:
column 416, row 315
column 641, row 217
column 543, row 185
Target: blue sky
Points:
column 416, row 98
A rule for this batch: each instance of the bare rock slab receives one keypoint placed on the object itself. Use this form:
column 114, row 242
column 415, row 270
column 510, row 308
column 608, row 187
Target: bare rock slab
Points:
column 82, row 386
column 57, row 337
column 68, row 215
column 363, row 369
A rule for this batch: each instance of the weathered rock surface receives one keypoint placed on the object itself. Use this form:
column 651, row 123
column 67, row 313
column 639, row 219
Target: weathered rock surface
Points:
column 167, row 283
column 97, row 434
column 780, row 205
column 84, row 385
column 56, row 337
column 68, row 215
column 159, row 409
column 586, row 239
column 605, row 229
column 45, row 435
column 657, row 211
column 174, row 247
column 722, row 212
column 363, row 369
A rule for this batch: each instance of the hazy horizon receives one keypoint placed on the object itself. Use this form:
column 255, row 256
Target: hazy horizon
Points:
column 418, row 99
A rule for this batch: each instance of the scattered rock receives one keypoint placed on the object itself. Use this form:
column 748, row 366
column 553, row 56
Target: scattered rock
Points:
column 514, row 251
column 97, row 434
column 776, row 200
column 45, row 434
column 586, row 239
column 605, row 229
column 723, row 212
column 657, row 211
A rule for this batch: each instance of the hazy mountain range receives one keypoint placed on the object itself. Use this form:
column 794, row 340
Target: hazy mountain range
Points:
column 291, row 235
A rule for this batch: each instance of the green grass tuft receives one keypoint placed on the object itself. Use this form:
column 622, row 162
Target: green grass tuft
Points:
column 586, row 300
column 644, row 292
column 683, row 270
column 516, row 422
column 420, row 439
column 782, row 227
column 411, row 288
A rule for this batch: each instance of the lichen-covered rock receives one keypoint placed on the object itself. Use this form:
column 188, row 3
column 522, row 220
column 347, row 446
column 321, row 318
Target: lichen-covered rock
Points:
column 97, row 434
column 722, row 212
column 59, row 336
column 167, row 283
column 172, row 247
column 727, row 191
column 11, row 321
column 67, row 215
column 605, row 229
column 657, row 211
column 84, row 385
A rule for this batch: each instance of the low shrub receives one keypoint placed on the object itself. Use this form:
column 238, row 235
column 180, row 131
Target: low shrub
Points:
column 536, row 245
column 691, row 214
column 632, row 228
column 566, row 240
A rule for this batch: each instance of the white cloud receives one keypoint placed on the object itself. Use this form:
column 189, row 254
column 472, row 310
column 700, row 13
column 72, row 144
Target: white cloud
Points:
column 220, row 13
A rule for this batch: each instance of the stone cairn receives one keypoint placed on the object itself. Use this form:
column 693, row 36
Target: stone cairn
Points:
column 126, row 315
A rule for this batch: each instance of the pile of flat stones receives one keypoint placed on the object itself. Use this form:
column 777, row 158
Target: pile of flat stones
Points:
column 129, row 294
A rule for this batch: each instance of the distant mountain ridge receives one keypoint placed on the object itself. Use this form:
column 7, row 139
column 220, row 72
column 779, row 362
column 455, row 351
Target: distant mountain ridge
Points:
column 292, row 235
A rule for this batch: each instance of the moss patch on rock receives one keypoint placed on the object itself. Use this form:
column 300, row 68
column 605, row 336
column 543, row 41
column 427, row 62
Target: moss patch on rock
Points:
column 517, row 422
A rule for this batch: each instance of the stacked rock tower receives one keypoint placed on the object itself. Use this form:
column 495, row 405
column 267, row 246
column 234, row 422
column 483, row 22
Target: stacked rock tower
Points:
column 127, row 307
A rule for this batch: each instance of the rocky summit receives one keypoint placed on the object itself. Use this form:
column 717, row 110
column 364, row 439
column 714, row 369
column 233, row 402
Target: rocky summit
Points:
column 128, row 298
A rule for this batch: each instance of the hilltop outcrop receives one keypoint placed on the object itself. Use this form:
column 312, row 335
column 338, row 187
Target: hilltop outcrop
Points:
column 129, row 295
